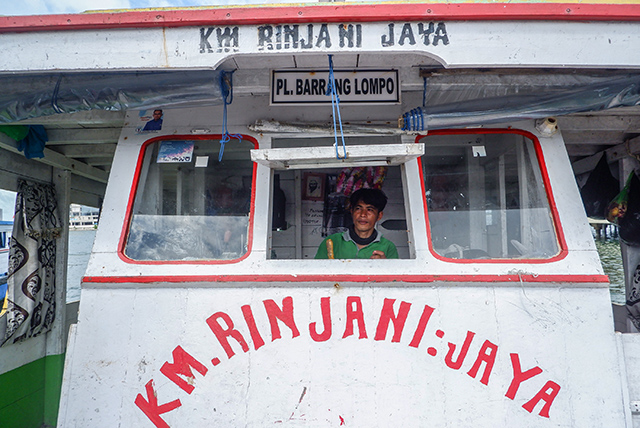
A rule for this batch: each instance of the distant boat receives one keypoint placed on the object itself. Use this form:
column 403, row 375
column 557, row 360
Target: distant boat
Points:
column 5, row 237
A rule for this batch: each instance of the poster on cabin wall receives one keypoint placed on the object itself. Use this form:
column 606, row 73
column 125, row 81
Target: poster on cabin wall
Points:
column 175, row 152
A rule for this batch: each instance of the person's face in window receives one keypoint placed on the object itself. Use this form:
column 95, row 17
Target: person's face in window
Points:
column 364, row 218
column 157, row 114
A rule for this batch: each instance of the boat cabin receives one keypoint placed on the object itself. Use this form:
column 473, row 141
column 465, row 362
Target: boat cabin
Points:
column 223, row 146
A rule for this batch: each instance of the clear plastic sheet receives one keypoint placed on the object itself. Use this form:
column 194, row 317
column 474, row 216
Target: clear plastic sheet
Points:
column 468, row 99
column 39, row 94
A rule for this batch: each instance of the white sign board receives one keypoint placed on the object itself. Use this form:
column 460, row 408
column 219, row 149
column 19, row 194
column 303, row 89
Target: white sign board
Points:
column 353, row 87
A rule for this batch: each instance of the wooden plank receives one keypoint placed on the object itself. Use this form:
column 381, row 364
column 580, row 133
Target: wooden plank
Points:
column 83, row 136
column 15, row 165
column 629, row 123
column 83, row 119
column 85, row 191
column 57, row 160
column 87, row 150
column 614, row 154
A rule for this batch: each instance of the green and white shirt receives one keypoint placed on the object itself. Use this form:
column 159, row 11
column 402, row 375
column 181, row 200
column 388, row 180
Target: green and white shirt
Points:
column 345, row 248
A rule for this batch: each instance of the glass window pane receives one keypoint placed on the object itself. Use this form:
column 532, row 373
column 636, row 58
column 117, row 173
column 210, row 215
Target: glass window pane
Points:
column 486, row 198
column 188, row 205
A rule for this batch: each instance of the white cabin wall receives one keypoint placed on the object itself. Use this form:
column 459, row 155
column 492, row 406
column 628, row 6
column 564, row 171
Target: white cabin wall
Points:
column 473, row 44
column 629, row 348
column 577, row 231
column 365, row 381
column 581, row 259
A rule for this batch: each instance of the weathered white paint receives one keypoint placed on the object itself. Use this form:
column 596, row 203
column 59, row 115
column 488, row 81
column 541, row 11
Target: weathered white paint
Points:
column 125, row 335
column 128, row 331
column 565, row 329
column 470, row 44
column 319, row 157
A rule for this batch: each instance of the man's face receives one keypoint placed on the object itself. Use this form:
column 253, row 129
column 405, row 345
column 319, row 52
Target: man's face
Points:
column 364, row 218
column 157, row 115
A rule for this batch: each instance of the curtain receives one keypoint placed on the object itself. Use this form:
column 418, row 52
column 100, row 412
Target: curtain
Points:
column 31, row 303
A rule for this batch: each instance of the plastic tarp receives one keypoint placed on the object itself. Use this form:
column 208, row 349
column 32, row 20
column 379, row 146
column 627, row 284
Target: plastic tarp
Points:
column 471, row 98
column 43, row 94
column 451, row 98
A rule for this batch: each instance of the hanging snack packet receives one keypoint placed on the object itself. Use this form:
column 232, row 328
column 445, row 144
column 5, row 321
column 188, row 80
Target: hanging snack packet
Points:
column 618, row 206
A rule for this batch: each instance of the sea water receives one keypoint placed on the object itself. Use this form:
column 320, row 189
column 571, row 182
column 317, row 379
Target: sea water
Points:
column 611, row 259
column 80, row 244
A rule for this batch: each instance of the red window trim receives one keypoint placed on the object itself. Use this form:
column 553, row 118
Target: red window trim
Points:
column 562, row 253
column 134, row 188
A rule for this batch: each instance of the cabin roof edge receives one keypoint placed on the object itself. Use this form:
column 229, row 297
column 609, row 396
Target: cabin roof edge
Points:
column 620, row 10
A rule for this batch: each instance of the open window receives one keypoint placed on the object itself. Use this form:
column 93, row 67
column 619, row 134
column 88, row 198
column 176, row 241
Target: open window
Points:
column 312, row 188
column 190, row 206
column 486, row 197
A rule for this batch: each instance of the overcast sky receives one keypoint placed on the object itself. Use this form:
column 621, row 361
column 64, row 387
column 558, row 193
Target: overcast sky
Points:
column 45, row 7
column 7, row 204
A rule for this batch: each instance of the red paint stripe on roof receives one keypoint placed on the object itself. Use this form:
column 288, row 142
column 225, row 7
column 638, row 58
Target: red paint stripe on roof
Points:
column 322, row 13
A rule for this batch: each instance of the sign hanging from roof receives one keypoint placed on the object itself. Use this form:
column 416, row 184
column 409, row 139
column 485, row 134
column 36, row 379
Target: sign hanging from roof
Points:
column 352, row 86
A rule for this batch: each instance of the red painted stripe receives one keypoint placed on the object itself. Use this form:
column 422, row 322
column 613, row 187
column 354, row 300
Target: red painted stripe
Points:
column 323, row 13
column 350, row 278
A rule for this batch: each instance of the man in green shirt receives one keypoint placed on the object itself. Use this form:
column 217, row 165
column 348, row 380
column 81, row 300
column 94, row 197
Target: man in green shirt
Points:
column 362, row 240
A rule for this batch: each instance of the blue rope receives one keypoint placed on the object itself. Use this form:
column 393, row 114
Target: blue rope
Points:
column 335, row 107
column 413, row 120
column 424, row 92
column 226, row 88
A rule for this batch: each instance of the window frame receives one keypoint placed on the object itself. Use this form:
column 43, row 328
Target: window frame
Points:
column 555, row 217
column 410, row 233
column 136, row 185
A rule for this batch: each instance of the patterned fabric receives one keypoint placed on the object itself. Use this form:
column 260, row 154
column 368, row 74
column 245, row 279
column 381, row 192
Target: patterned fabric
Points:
column 633, row 293
column 32, row 261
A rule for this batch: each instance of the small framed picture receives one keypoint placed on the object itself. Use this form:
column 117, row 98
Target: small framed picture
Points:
column 313, row 189
column 151, row 123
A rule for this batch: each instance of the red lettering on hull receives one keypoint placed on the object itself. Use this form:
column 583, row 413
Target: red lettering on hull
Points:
column 180, row 371
column 150, row 407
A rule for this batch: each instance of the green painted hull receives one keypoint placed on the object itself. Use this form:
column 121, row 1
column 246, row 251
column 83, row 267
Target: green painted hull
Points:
column 30, row 395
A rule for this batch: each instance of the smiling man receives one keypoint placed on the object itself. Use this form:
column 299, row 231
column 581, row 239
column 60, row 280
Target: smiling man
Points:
column 362, row 240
